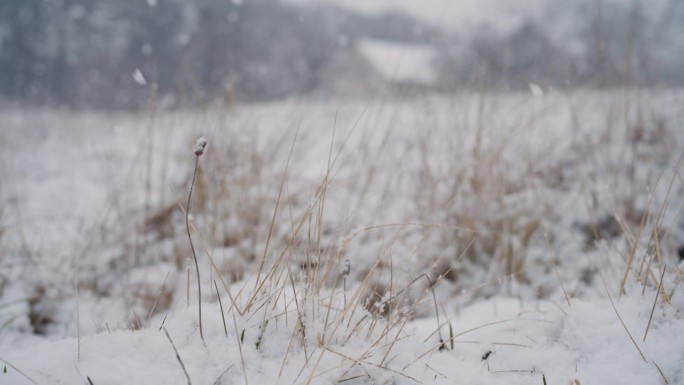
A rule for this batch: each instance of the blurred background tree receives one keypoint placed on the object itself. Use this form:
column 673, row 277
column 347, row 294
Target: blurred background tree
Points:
column 82, row 53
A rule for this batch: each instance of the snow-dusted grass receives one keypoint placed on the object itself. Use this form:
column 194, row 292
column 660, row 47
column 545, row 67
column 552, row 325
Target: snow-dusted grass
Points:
column 516, row 207
column 527, row 340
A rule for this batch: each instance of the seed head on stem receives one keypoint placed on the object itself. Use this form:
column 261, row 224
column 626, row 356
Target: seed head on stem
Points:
column 199, row 150
column 200, row 146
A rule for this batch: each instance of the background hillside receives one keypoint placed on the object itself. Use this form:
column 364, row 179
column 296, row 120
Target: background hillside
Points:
column 82, row 53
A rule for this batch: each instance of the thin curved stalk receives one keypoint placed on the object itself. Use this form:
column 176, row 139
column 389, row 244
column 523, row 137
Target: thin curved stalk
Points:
column 192, row 247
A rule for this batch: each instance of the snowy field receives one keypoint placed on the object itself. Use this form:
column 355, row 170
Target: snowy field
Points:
column 531, row 238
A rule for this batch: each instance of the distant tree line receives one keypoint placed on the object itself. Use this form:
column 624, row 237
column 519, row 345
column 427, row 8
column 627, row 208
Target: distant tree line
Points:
column 610, row 44
column 82, row 53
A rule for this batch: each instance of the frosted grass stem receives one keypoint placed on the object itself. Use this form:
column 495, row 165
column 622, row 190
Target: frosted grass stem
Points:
column 199, row 150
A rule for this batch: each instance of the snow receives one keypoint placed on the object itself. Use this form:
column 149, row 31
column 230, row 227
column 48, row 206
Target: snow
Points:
column 471, row 17
column 584, row 341
column 536, row 90
column 398, row 62
column 496, row 193
column 200, row 145
column 451, row 15
column 138, row 76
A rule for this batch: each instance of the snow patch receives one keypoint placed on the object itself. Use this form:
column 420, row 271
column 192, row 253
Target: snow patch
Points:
column 399, row 62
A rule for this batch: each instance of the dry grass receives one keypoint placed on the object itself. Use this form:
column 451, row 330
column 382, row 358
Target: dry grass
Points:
column 470, row 212
column 470, row 203
column 468, row 200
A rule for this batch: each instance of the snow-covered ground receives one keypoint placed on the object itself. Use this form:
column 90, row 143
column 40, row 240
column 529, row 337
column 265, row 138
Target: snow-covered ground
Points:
column 401, row 63
column 545, row 221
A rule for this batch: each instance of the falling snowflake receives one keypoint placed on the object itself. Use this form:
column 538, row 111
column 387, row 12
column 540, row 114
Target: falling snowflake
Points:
column 138, row 77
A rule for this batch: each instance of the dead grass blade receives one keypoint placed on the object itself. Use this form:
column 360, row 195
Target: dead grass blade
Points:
column 187, row 376
column 605, row 286
column 555, row 267
column 18, row 371
column 655, row 301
